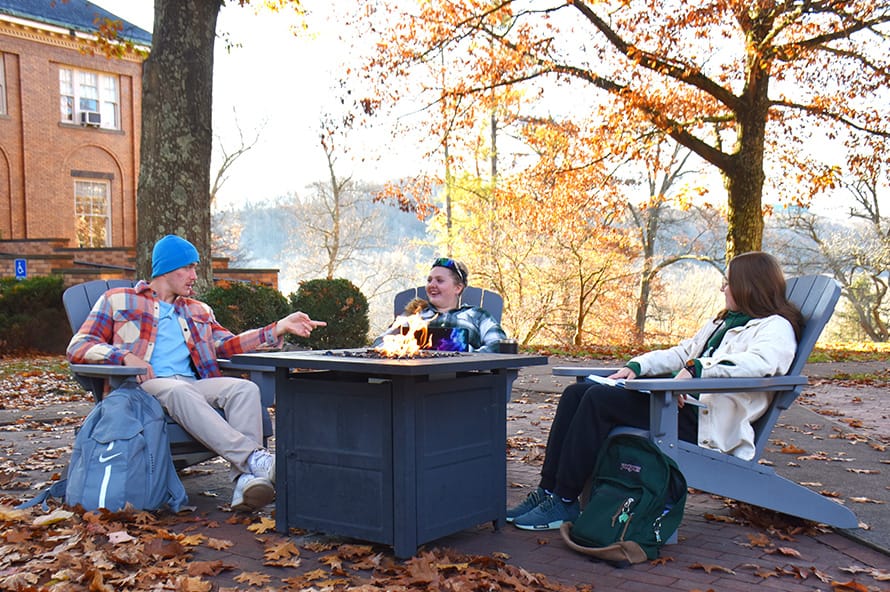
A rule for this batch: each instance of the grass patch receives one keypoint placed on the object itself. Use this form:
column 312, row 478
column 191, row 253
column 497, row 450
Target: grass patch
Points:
column 37, row 363
column 829, row 352
column 863, row 378
column 850, row 352
column 594, row 352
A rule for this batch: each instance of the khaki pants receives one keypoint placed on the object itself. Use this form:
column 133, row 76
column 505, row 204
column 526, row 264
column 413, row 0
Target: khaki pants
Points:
column 192, row 404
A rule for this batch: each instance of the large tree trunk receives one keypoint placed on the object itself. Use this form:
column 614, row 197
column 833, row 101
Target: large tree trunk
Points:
column 177, row 101
column 744, row 185
column 744, row 175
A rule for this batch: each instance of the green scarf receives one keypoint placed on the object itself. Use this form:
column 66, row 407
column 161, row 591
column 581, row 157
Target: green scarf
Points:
column 732, row 319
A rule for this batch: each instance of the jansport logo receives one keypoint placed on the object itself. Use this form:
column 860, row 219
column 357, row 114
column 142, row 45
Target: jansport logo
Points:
column 629, row 468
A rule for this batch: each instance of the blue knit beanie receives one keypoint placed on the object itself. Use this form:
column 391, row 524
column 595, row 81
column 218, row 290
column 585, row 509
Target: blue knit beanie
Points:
column 172, row 252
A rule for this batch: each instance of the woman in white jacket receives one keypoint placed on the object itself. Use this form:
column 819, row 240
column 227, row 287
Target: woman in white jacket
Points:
column 754, row 336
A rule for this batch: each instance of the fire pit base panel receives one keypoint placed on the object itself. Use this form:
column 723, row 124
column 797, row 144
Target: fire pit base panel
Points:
column 398, row 460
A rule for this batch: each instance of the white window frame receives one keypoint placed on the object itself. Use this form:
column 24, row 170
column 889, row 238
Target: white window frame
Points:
column 87, row 191
column 3, row 110
column 89, row 91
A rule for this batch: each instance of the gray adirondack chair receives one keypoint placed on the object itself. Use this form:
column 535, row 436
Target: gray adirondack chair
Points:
column 490, row 301
column 724, row 474
column 79, row 299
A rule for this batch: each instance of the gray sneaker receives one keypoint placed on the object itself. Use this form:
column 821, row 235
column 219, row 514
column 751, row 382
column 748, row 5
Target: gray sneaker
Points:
column 252, row 493
column 529, row 503
column 548, row 515
column 262, row 464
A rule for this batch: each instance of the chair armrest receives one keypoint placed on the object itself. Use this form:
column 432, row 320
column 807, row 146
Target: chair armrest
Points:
column 106, row 370
column 93, row 377
column 716, row 385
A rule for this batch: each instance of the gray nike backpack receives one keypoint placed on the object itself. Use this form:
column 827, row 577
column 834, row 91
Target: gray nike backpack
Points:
column 121, row 455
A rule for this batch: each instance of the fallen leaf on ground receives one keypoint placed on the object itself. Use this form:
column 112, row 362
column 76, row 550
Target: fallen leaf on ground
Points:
column 787, row 551
column 710, row 567
column 792, row 449
column 281, row 550
column 219, row 544
column 53, row 517
column 207, row 568
column 192, row 540
column 121, row 536
column 193, row 584
column 758, row 540
column 851, row 586
column 882, row 575
column 263, row 526
column 252, row 578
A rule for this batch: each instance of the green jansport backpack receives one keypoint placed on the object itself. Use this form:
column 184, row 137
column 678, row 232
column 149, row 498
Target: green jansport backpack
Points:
column 636, row 503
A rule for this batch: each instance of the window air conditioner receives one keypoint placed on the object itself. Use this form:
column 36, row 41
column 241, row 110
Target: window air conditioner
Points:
column 90, row 118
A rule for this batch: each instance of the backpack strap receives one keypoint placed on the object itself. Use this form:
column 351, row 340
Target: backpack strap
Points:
column 620, row 552
column 56, row 490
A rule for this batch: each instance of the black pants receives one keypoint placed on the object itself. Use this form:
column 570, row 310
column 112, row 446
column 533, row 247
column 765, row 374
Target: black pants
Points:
column 584, row 417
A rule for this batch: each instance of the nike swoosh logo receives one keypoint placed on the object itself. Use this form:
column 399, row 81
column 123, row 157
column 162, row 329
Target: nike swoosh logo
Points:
column 103, row 458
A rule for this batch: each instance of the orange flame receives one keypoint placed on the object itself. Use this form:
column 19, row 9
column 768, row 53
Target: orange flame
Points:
column 405, row 337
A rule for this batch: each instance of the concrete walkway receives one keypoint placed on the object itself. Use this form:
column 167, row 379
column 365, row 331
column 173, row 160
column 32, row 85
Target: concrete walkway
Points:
column 719, row 548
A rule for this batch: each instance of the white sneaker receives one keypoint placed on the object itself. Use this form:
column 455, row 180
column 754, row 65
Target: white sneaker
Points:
column 252, row 493
column 262, row 464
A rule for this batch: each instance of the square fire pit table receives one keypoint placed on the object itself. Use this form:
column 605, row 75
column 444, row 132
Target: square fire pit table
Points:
column 393, row 451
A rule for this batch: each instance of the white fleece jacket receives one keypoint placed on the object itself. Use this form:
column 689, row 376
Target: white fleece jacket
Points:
column 762, row 347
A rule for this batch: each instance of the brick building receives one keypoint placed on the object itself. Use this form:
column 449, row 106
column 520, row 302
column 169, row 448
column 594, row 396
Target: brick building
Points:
column 70, row 124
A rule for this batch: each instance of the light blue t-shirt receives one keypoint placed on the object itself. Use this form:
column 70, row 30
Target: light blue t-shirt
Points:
column 171, row 354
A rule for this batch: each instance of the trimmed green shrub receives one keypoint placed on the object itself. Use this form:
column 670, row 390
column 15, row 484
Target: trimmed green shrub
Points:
column 239, row 306
column 32, row 317
column 342, row 305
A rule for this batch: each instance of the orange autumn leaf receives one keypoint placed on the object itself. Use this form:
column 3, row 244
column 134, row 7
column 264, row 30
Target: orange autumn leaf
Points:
column 193, row 584
column 335, row 562
column 851, row 586
column 219, row 544
column 192, row 540
column 708, row 567
column 253, row 578
column 661, row 560
column 792, row 449
column 281, row 550
column 758, row 540
column 719, row 518
column 787, row 551
column 315, row 574
column 207, row 568
column 163, row 549
column 263, row 526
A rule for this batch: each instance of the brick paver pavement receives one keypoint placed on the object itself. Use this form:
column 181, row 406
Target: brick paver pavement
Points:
column 716, row 551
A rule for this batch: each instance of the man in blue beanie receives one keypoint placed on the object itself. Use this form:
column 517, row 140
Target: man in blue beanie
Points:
column 157, row 325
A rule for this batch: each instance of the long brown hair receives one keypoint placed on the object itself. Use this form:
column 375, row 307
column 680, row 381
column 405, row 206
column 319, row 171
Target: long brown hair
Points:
column 758, row 288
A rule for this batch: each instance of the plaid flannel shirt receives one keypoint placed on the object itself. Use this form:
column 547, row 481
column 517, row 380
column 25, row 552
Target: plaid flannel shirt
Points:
column 126, row 320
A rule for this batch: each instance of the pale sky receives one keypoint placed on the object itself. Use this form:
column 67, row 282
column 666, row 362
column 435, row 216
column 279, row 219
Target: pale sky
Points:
column 284, row 81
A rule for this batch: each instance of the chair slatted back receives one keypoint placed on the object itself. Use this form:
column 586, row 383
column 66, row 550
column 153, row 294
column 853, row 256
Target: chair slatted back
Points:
column 490, row 301
column 79, row 300
column 816, row 297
